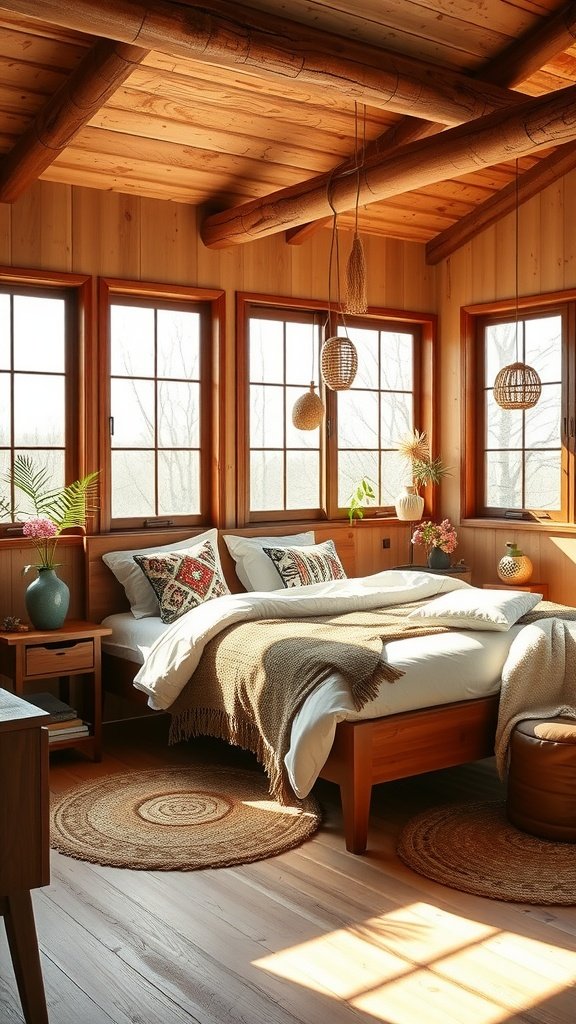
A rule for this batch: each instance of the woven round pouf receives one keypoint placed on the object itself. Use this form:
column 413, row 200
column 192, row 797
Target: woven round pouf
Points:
column 541, row 797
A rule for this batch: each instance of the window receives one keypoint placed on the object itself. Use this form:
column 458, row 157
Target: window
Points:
column 378, row 409
column 284, row 463
column 288, row 473
column 522, row 457
column 160, row 371
column 40, row 328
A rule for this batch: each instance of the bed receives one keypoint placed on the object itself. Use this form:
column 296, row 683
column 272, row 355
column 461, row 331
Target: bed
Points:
column 362, row 753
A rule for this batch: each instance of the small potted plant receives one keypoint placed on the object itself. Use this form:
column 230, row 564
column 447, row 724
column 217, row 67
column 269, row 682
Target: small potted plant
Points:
column 439, row 539
column 425, row 470
column 362, row 495
column 415, row 447
column 52, row 511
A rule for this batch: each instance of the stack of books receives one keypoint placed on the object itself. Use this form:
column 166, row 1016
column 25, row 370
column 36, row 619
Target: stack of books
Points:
column 63, row 722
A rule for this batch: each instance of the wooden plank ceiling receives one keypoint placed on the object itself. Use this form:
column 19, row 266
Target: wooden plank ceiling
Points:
column 273, row 114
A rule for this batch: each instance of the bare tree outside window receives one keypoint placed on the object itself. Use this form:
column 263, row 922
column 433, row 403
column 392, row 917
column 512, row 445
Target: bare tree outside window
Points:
column 155, row 411
column 33, row 387
column 523, row 448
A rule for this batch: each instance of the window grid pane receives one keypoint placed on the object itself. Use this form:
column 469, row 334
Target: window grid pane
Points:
column 34, row 386
column 156, row 410
column 376, row 412
column 523, row 448
column 284, row 462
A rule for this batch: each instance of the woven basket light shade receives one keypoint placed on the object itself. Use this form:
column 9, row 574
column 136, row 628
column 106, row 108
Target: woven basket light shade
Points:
column 308, row 410
column 517, row 386
column 339, row 362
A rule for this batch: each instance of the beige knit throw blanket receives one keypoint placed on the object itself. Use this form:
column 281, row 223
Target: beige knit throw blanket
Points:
column 254, row 676
column 539, row 677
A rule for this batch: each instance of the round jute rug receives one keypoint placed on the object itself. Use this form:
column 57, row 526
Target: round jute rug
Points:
column 178, row 819
column 474, row 848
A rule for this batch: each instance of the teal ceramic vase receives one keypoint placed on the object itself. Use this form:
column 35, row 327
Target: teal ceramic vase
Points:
column 47, row 599
column 438, row 559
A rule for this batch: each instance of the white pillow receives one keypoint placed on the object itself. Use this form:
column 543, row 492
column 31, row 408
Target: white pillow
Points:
column 253, row 568
column 472, row 608
column 142, row 599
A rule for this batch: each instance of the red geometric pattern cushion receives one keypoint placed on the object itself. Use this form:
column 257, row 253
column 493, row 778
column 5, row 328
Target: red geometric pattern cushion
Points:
column 182, row 581
column 299, row 567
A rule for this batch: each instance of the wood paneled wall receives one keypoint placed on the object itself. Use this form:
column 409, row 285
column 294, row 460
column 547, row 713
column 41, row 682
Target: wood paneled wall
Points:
column 66, row 228
column 482, row 271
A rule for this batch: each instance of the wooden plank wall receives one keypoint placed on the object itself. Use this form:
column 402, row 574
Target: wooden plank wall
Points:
column 482, row 271
column 67, row 228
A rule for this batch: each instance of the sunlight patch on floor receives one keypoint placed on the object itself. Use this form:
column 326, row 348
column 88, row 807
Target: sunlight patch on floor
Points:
column 421, row 959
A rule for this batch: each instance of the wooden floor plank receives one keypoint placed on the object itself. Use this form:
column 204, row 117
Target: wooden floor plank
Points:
column 314, row 935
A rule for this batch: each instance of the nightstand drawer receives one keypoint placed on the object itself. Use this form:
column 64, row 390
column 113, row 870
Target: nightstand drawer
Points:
column 60, row 657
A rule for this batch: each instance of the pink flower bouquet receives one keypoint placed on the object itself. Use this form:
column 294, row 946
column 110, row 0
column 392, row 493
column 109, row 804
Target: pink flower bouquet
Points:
column 434, row 535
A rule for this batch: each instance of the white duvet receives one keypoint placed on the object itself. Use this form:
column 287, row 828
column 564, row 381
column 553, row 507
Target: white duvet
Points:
column 438, row 669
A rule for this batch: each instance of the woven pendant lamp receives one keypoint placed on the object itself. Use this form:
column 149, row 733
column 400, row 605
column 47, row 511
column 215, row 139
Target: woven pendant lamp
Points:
column 339, row 362
column 308, row 411
column 338, row 355
column 517, row 386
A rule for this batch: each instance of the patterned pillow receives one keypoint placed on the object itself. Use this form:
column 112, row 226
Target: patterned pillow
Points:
column 183, row 579
column 300, row 566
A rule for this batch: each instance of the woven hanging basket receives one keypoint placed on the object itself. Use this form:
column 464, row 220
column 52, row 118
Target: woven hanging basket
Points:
column 308, row 410
column 517, row 386
column 339, row 362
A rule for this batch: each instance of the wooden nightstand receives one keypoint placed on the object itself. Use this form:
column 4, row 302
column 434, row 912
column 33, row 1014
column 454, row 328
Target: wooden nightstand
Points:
column 73, row 652
column 529, row 588
column 24, row 841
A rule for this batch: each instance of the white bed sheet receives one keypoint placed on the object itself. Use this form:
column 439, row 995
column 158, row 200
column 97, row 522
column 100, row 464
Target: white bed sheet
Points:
column 439, row 669
column 131, row 638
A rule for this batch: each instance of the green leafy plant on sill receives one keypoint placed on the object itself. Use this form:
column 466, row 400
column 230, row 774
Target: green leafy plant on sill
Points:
column 53, row 510
column 362, row 494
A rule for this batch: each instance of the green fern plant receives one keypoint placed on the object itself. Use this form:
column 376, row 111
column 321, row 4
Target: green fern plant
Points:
column 54, row 509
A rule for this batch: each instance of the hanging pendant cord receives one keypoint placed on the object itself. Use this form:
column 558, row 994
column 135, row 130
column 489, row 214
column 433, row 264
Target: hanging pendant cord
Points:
column 517, row 238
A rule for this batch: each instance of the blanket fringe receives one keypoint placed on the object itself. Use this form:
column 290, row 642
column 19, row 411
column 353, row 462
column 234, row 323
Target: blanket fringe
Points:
column 209, row 722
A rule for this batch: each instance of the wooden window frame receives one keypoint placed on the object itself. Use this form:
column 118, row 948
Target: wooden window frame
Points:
column 212, row 303
column 77, row 291
column 425, row 409
column 472, row 321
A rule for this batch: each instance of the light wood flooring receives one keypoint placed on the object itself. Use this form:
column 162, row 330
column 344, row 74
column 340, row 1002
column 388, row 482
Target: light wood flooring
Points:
column 315, row 935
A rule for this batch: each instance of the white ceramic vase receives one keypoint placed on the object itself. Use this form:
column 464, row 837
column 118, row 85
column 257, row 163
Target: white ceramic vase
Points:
column 409, row 505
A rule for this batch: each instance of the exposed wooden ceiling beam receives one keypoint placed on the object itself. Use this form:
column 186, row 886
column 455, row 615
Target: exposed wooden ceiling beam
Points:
column 407, row 130
column 99, row 74
column 527, row 55
column 545, row 173
column 514, row 65
column 226, row 34
column 535, row 125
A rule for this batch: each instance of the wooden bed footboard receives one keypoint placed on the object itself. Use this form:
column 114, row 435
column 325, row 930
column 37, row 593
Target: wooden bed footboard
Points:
column 396, row 747
column 376, row 750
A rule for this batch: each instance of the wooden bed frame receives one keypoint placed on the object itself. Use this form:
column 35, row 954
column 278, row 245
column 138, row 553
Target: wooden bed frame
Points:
column 363, row 753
